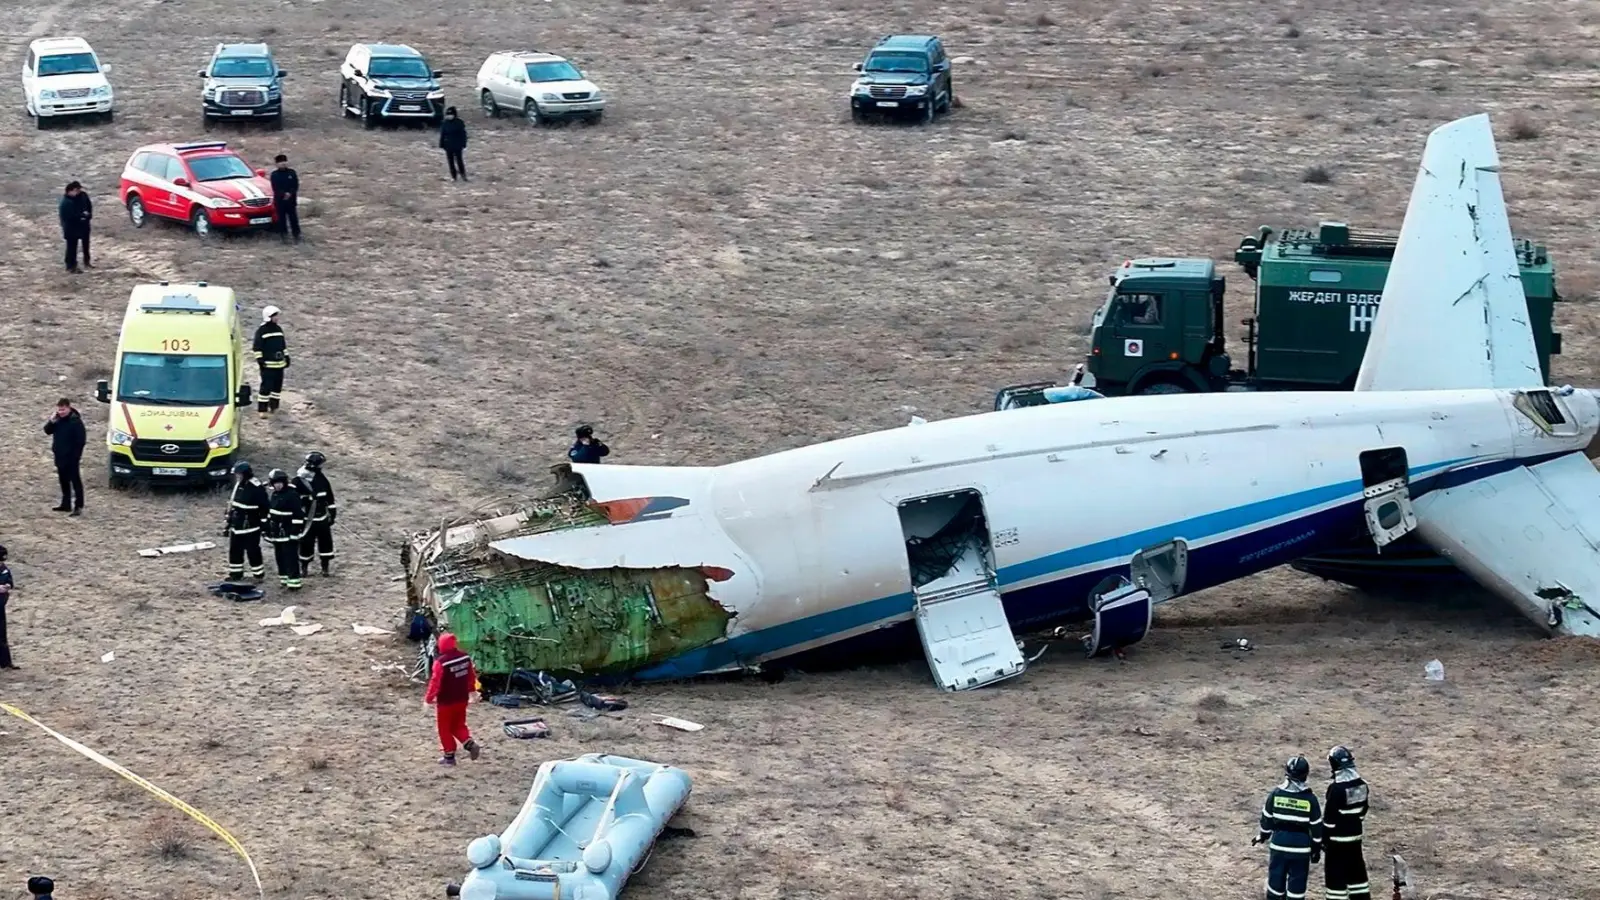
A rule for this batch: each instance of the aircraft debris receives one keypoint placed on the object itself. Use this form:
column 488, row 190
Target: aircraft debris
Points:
column 177, row 548
column 286, row 617
column 369, row 630
column 108, row 657
column 306, row 630
column 680, row 724
column 1433, row 671
column 527, row 728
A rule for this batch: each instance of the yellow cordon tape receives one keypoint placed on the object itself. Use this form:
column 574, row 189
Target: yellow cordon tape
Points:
column 118, row 768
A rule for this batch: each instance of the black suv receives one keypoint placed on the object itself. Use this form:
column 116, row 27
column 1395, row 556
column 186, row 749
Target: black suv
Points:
column 389, row 81
column 242, row 81
column 903, row 73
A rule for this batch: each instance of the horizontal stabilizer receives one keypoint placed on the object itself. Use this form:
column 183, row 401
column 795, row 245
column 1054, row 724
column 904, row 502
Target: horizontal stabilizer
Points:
column 1531, row 535
column 1453, row 314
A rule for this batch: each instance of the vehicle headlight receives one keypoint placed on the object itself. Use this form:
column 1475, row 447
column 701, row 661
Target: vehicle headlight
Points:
column 549, row 96
column 103, row 90
column 916, row 89
column 436, row 95
column 220, row 441
column 47, row 95
column 379, row 92
column 218, row 203
column 121, row 438
column 598, row 95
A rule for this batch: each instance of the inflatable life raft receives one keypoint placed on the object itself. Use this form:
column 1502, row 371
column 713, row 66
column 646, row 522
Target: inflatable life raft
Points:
column 587, row 825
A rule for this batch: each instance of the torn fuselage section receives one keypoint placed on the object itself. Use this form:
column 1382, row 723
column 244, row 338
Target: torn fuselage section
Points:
column 513, row 612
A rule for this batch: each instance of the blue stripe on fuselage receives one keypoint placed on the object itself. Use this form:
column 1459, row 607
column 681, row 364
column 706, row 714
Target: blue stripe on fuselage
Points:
column 1066, row 599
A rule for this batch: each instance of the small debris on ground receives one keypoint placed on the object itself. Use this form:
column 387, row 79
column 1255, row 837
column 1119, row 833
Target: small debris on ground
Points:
column 369, row 629
column 177, row 548
column 527, row 728
column 284, row 618
column 109, row 656
column 680, row 724
column 306, row 630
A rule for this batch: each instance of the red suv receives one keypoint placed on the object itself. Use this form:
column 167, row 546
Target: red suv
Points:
column 205, row 185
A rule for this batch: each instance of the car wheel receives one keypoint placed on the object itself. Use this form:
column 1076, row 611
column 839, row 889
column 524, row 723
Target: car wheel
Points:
column 119, row 482
column 205, row 122
column 857, row 114
column 530, row 111
column 200, row 224
column 136, row 215
column 928, row 111
column 368, row 119
column 277, row 122
column 344, row 100
column 109, row 116
column 594, row 119
column 1163, row 387
column 490, row 108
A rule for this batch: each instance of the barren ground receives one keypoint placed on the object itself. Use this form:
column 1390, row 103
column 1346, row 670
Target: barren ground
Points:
column 727, row 266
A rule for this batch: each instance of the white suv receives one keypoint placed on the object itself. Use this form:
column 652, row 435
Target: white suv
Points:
column 64, row 77
column 537, row 86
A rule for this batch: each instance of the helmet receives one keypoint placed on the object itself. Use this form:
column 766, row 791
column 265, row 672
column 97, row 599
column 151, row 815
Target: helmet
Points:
column 39, row 885
column 277, row 476
column 1340, row 758
column 585, row 431
column 269, row 312
column 1297, row 768
column 315, row 459
column 242, row 468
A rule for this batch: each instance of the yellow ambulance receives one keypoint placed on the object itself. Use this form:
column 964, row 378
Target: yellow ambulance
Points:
column 176, row 386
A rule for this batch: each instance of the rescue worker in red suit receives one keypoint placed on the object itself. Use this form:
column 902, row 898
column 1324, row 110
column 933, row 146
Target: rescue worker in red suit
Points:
column 449, row 691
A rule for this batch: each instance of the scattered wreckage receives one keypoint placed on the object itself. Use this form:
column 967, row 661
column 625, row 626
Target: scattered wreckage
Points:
column 973, row 528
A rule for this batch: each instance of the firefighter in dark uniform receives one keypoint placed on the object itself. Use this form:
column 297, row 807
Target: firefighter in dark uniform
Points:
column 1346, row 867
column 1291, row 824
column 271, row 348
column 322, row 509
column 286, row 527
column 247, row 508
column 7, row 585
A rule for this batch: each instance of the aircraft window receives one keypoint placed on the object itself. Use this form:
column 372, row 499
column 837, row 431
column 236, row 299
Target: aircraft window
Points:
column 1141, row 309
column 939, row 531
column 1541, row 408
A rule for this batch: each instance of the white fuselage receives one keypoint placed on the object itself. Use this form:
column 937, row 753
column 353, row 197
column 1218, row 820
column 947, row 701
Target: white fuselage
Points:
column 1070, row 492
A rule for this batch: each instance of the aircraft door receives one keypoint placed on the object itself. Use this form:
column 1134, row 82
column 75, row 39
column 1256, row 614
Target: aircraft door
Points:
column 1122, row 614
column 1386, row 495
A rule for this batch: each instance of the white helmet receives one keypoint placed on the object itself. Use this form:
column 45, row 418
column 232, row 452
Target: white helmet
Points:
column 268, row 313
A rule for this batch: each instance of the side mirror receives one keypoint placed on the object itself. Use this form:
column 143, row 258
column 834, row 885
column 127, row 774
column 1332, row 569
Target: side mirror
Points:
column 856, row 67
column 200, row 72
column 261, row 173
column 438, row 73
column 243, row 399
column 180, row 181
column 283, row 73
column 357, row 73
column 102, row 391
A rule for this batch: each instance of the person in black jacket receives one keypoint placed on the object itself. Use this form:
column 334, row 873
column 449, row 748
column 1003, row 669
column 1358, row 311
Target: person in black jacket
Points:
column 286, row 197
column 6, row 585
column 76, row 211
column 247, row 509
column 286, row 527
column 453, row 140
column 1343, row 814
column 67, row 439
column 271, row 349
column 322, row 509
column 1291, row 824
column 586, row 449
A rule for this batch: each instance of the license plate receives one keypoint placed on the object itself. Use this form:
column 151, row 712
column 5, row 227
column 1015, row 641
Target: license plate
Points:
column 409, row 107
column 160, row 470
column 264, row 220
column 888, row 103
column 242, row 112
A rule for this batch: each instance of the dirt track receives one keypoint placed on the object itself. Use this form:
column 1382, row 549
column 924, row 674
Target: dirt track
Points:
column 727, row 266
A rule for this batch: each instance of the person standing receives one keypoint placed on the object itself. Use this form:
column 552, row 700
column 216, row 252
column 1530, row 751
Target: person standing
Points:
column 1291, row 824
column 450, row 689
column 453, row 140
column 247, row 508
column 286, row 197
column 1345, row 874
column 76, row 211
column 67, row 439
column 322, row 510
column 586, row 449
column 286, row 524
column 271, row 348
column 7, row 585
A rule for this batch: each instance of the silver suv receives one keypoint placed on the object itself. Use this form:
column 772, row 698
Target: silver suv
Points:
column 243, row 81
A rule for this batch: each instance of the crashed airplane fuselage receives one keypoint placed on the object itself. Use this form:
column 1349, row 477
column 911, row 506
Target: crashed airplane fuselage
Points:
column 977, row 527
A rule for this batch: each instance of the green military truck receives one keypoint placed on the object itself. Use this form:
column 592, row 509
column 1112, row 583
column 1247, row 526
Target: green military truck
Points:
column 1161, row 327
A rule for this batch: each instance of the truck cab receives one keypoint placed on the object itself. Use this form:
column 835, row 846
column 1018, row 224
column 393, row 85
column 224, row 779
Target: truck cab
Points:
column 175, row 386
column 1159, row 330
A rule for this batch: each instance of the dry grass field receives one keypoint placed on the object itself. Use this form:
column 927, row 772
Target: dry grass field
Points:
column 728, row 266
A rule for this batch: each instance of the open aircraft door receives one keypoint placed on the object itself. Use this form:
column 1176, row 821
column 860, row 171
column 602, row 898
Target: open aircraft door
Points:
column 1386, row 495
column 958, row 611
column 1123, row 608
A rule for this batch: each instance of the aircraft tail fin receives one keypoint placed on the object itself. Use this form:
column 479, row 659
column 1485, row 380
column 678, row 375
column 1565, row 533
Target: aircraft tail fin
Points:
column 1453, row 314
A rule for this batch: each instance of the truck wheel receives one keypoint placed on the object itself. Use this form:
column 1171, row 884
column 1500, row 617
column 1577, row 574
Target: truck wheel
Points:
column 1163, row 387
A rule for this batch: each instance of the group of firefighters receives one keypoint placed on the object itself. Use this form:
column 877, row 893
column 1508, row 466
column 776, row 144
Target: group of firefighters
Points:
column 295, row 515
column 1299, row 831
